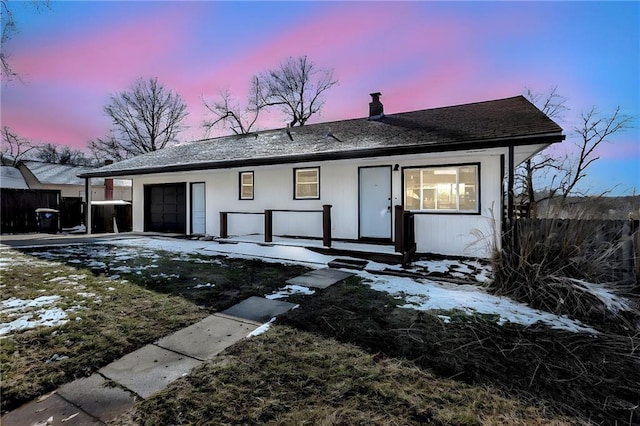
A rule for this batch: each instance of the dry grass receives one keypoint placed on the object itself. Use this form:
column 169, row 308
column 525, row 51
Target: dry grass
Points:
column 107, row 319
column 547, row 268
column 596, row 378
column 289, row 377
column 155, row 294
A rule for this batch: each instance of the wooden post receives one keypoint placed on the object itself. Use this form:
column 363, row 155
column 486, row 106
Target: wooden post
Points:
column 87, row 199
column 510, row 184
column 326, row 225
column 511, row 198
column 399, row 228
column 223, row 225
column 268, row 226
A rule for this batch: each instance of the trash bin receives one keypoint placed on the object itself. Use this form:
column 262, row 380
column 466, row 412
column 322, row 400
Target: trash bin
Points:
column 48, row 220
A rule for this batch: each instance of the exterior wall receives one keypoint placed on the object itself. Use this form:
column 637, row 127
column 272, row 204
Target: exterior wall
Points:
column 119, row 192
column 448, row 234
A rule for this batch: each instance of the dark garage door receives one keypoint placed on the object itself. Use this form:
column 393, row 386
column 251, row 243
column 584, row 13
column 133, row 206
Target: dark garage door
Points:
column 165, row 208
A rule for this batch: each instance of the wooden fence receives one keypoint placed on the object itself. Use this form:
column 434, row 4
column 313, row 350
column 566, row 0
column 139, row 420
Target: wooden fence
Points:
column 620, row 239
column 18, row 212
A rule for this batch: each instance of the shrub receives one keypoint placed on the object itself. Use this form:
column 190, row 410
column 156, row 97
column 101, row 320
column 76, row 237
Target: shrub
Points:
column 568, row 268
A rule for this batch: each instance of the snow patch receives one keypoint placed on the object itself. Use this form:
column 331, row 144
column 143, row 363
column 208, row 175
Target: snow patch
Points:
column 288, row 290
column 43, row 317
column 262, row 329
column 14, row 304
column 207, row 285
column 613, row 303
column 427, row 295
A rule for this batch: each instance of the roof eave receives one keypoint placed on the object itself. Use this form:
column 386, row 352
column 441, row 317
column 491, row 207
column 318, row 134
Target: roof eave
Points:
column 547, row 138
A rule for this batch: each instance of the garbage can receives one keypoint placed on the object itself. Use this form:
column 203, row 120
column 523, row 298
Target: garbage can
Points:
column 48, row 220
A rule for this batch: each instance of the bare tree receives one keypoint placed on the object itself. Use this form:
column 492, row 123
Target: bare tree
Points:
column 296, row 87
column 14, row 147
column 9, row 28
column 50, row 153
column 47, row 153
column 228, row 113
column 554, row 106
column 594, row 129
column 146, row 118
column 566, row 172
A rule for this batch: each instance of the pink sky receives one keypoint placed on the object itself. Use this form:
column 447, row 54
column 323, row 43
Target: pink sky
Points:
column 419, row 55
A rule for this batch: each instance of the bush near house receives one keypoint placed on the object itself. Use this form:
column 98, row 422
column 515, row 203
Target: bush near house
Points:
column 560, row 266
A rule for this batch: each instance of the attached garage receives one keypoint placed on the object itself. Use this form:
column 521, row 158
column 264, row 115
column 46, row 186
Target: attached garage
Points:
column 165, row 208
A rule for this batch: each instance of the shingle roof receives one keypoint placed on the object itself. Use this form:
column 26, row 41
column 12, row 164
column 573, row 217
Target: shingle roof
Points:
column 11, row 178
column 56, row 174
column 63, row 174
column 478, row 125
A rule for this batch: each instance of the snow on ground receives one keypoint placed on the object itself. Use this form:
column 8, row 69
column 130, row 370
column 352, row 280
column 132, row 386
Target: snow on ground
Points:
column 421, row 294
column 31, row 313
column 11, row 261
column 427, row 295
column 288, row 290
column 207, row 285
column 262, row 329
column 23, row 314
column 466, row 269
column 613, row 303
column 268, row 253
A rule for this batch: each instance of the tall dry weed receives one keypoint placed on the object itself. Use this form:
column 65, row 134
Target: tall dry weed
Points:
column 568, row 268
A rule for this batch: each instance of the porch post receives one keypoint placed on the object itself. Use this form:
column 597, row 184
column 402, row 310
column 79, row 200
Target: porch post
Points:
column 268, row 226
column 223, row 225
column 326, row 225
column 399, row 228
column 511, row 221
column 87, row 207
column 510, row 184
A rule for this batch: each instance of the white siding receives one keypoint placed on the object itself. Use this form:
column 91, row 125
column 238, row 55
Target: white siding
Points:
column 449, row 234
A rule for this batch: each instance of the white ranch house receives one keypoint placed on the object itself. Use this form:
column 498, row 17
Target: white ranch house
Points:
column 433, row 176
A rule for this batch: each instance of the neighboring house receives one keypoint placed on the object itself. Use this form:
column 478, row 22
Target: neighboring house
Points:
column 11, row 178
column 33, row 184
column 64, row 178
column 445, row 165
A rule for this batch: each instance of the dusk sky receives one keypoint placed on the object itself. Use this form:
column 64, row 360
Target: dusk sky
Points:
column 419, row 55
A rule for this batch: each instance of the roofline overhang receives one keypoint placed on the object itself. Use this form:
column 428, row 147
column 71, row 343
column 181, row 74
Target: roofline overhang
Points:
column 547, row 138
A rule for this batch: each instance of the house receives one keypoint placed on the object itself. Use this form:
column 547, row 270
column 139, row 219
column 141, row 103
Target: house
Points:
column 434, row 176
column 64, row 178
column 29, row 184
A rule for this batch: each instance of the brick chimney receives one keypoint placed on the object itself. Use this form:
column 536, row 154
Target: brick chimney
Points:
column 376, row 109
column 108, row 184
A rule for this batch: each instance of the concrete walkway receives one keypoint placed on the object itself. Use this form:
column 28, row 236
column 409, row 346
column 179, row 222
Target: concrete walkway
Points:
column 115, row 388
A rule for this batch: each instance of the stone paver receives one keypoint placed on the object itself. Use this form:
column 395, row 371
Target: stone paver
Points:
column 149, row 369
column 52, row 411
column 207, row 338
column 259, row 309
column 320, row 278
column 97, row 397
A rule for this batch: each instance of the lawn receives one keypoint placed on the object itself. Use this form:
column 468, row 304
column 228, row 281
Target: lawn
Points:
column 60, row 321
column 372, row 349
column 292, row 377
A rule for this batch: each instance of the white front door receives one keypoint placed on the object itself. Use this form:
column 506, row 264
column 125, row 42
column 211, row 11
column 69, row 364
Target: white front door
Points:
column 375, row 202
column 197, row 208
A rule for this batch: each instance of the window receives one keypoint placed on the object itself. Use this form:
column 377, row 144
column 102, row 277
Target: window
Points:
column 446, row 188
column 246, row 185
column 306, row 183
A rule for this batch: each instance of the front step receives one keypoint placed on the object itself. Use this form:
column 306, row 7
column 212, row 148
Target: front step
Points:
column 390, row 258
column 348, row 263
